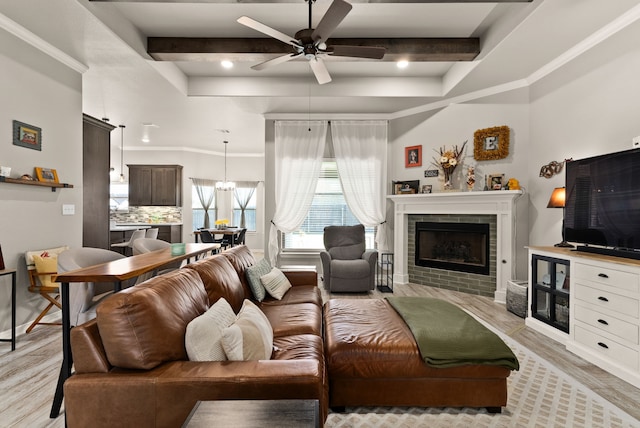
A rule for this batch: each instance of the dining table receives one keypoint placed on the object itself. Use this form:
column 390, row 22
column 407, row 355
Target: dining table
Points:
column 233, row 231
column 116, row 271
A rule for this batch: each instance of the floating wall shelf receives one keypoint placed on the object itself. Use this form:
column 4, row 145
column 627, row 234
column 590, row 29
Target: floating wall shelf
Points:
column 53, row 186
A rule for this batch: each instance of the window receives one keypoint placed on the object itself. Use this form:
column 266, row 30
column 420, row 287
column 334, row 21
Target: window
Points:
column 119, row 197
column 198, row 211
column 246, row 195
column 328, row 208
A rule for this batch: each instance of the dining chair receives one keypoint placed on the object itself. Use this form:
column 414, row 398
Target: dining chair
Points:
column 225, row 241
column 207, row 238
column 151, row 233
column 127, row 246
column 239, row 240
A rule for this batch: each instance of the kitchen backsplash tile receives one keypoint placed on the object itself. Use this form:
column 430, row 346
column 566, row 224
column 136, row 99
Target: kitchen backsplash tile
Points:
column 149, row 215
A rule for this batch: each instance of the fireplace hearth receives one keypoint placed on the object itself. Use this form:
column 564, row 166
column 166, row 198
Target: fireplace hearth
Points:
column 460, row 247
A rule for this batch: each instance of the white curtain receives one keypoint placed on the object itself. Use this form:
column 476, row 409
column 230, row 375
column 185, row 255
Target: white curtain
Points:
column 243, row 197
column 361, row 156
column 205, row 190
column 299, row 146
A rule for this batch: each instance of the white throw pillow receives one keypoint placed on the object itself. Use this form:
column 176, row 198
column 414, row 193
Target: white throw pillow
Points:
column 250, row 337
column 203, row 338
column 276, row 283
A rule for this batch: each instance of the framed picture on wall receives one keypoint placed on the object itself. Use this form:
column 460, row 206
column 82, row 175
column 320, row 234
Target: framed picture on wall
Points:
column 491, row 143
column 412, row 156
column 25, row 135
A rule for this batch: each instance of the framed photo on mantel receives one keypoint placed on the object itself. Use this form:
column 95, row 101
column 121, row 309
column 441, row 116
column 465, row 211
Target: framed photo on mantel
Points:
column 406, row 187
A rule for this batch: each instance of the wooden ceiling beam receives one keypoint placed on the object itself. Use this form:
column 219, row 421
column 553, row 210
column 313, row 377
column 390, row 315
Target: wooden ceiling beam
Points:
column 262, row 49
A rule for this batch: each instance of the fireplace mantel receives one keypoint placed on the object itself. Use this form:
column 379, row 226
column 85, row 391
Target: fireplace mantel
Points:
column 509, row 207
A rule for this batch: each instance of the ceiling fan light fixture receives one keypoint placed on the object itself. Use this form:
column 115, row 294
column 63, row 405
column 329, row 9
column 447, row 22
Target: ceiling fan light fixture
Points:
column 403, row 63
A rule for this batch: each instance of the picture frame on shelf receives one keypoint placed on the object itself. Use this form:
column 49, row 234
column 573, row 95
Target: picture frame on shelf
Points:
column 491, row 143
column 47, row 175
column 406, row 187
column 495, row 181
column 426, row 188
column 412, row 156
column 25, row 135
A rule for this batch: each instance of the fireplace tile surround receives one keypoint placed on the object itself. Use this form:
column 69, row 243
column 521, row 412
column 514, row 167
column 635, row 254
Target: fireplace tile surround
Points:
column 507, row 207
column 473, row 283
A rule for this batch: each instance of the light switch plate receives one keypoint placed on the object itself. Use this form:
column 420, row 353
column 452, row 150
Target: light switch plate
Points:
column 68, row 209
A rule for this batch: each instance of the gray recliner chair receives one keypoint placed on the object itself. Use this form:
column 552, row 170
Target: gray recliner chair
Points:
column 346, row 264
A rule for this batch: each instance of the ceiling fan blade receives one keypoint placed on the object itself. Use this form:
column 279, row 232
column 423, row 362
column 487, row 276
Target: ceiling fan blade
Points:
column 259, row 26
column 330, row 21
column 371, row 52
column 275, row 61
column 320, row 70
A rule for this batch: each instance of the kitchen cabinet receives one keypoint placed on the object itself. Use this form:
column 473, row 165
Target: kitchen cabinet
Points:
column 96, row 160
column 171, row 233
column 155, row 185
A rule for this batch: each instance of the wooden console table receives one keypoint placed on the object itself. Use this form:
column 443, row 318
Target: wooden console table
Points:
column 116, row 271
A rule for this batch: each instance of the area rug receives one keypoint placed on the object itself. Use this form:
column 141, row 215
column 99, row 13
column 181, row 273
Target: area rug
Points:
column 540, row 395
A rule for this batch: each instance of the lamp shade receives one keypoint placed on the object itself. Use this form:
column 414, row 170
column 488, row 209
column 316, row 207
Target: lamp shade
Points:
column 557, row 198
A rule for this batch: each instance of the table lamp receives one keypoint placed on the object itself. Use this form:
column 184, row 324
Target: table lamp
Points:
column 556, row 200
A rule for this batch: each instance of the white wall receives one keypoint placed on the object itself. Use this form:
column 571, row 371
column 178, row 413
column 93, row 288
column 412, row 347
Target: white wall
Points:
column 453, row 126
column 40, row 91
column 587, row 108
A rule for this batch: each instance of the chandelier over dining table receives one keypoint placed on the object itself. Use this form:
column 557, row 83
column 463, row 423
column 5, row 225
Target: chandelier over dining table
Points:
column 225, row 185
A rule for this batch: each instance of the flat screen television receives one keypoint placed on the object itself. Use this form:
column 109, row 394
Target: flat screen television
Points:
column 602, row 207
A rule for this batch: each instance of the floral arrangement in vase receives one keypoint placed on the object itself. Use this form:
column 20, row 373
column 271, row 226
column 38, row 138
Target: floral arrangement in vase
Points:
column 222, row 223
column 448, row 161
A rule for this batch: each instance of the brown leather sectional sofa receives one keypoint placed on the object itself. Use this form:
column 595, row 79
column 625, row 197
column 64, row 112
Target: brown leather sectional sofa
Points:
column 132, row 369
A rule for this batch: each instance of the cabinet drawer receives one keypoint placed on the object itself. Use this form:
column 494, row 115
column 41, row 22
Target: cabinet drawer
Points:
column 622, row 329
column 606, row 300
column 615, row 278
column 607, row 348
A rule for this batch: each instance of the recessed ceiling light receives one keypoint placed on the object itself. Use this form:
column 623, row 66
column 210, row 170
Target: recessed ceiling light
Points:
column 402, row 64
column 226, row 64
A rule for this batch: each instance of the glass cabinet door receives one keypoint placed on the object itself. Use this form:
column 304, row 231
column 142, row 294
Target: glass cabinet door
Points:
column 550, row 288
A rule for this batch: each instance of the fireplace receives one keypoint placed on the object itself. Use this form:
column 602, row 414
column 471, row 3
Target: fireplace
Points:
column 505, row 210
column 461, row 247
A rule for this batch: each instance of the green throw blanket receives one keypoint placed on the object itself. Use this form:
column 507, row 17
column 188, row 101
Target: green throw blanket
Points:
column 447, row 336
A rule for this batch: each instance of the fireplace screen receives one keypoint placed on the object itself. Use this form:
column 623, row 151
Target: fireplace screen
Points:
column 462, row 247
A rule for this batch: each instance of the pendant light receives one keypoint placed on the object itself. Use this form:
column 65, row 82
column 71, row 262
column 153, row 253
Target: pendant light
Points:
column 121, row 153
column 225, row 185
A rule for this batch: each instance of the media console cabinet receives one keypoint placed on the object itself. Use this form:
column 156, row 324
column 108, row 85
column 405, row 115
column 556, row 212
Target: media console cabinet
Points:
column 591, row 304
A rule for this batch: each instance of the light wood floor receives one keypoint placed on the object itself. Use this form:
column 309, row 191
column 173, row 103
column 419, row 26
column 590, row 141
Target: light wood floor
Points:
column 28, row 375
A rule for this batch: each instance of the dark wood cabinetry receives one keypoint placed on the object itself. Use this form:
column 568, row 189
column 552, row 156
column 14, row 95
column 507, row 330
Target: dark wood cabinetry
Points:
column 96, row 159
column 155, row 185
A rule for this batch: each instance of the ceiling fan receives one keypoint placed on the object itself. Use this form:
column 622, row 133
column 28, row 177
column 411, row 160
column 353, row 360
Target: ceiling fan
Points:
column 310, row 43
